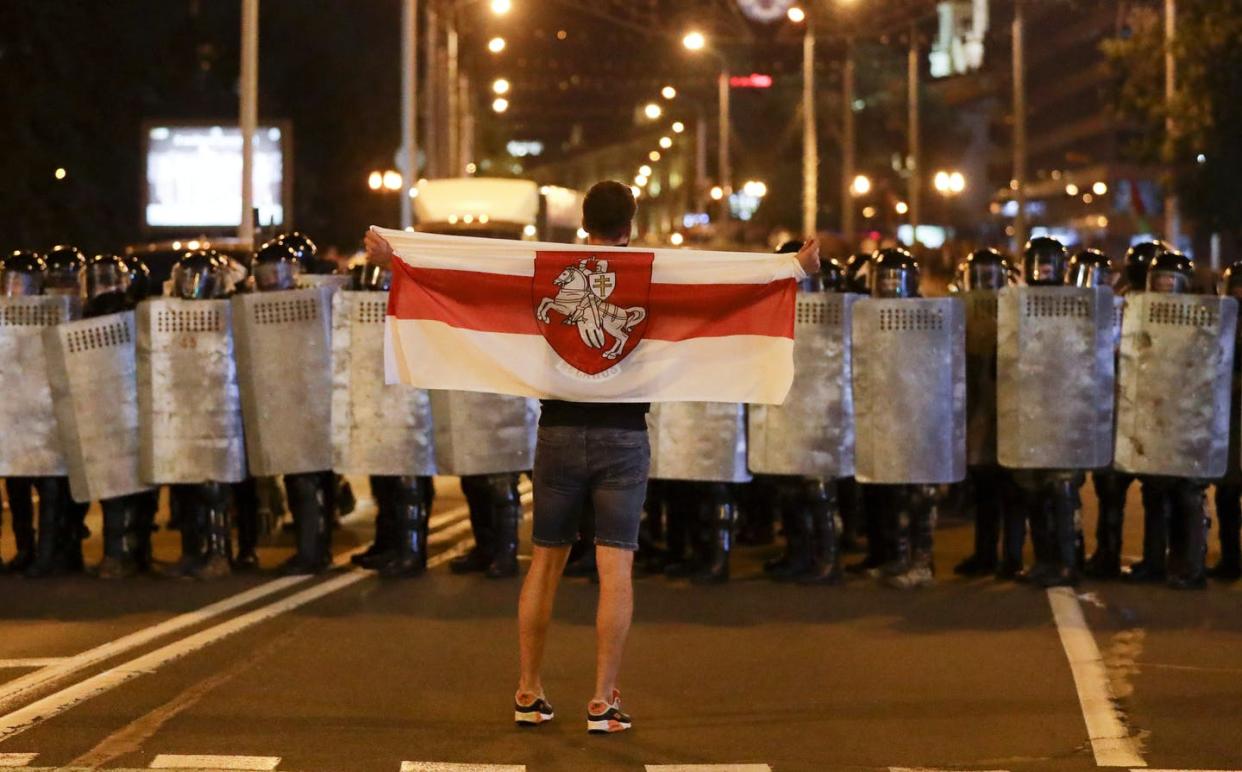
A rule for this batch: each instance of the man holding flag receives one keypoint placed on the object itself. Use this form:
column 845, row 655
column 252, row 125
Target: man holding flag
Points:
column 597, row 332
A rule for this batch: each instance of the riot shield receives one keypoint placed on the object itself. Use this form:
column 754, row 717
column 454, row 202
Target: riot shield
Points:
column 284, row 368
column 812, row 433
column 30, row 444
column 189, row 406
column 1174, row 385
column 376, row 429
column 92, row 370
column 478, row 433
column 909, row 390
column 1055, row 371
column 703, row 441
column 980, row 377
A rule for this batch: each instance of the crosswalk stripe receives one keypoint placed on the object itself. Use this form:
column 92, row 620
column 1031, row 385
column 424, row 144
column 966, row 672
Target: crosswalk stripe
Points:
column 179, row 761
column 708, row 768
column 436, row 766
column 30, row 662
column 16, row 759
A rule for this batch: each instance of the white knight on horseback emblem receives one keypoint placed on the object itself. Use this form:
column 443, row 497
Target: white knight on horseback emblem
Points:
column 582, row 298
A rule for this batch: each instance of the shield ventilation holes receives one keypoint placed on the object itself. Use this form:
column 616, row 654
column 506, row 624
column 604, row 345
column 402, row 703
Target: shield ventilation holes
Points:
column 1181, row 314
column 371, row 311
column 187, row 320
column 290, row 311
column 911, row 319
column 1044, row 305
column 108, row 335
column 30, row 316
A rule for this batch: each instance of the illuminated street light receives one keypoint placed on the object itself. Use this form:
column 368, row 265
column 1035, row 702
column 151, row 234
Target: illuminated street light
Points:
column 957, row 182
column 640, row 180
column 949, row 183
column 496, row 45
column 644, row 170
column 392, row 180
column 653, row 111
column 861, row 185
column 755, row 188
column 634, row 189
column 869, row 212
column 500, row 86
column 500, row 104
column 666, row 142
column 501, row 7
column 717, row 193
column 796, row 15
column 677, row 239
column 1071, row 189
column 60, row 173
column 376, row 180
column 678, row 127
column 902, row 207
column 668, row 92
column 654, row 155
column 413, row 192
column 1100, row 188
column 694, row 41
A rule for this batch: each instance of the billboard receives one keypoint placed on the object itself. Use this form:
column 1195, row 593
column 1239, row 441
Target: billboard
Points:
column 193, row 175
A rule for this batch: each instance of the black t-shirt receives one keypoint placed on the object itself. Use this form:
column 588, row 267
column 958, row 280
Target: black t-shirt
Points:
column 601, row 415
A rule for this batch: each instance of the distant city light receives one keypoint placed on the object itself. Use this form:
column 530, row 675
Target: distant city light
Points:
column 949, row 183
column 636, row 191
column 392, row 180
column 869, row 212
column 501, row 7
column 582, row 234
column 644, row 170
column 376, row 180
column 530, row 231
column 1071, row 189
column 61, row 173
column 500, row 86
column 902, row 207
column 413, row 192
column 796, row 15
column 496, row 45
column 694, row 41
column 755, row 188
column 668, row 92
column 654, row 155
column 640, row 180
column 677, row 239
column 1087, row 198
column 678, row 127
column 1100, row 188
column 653, row 111
column 1201, row 158
column 717, row 193
column 500, row 104
column 861, row 185
column 472, row 167
column 666, row 142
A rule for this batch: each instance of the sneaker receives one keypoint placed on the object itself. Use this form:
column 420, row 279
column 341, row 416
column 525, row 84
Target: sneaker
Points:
column 606, row 718
column 532, row 714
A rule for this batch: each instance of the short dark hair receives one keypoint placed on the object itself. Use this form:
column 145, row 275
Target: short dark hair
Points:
column 608, row 210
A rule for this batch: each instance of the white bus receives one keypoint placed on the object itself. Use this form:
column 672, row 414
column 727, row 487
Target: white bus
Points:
column 498, row 208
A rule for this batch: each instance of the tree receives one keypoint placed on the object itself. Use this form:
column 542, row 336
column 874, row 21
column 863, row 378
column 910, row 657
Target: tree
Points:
column 1203, row 154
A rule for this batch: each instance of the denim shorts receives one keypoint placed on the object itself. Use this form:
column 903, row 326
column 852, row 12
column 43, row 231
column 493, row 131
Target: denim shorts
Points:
column 608, row 467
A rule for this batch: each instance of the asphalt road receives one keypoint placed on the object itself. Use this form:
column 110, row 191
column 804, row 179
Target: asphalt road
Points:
column 347, row 672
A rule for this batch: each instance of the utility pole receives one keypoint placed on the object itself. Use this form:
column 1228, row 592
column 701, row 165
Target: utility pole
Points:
column 452, row 91
column 915, row 180
column 248, row 114
column 1019, row 124
column 726, row 173
column 431, row 93
column 810, row 147
column 700, row 163
column 847, row 145
column 409, row 107
column 465, row 142
column 1172, row 217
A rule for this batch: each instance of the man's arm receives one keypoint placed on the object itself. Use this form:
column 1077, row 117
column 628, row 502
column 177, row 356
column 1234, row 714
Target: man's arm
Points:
column 379, row 251
column 808, row 256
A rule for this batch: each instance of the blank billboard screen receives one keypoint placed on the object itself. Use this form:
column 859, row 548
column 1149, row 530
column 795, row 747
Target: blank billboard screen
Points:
column 194, row 176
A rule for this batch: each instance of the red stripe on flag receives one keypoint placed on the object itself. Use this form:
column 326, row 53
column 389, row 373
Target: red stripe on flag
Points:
column 489, row 302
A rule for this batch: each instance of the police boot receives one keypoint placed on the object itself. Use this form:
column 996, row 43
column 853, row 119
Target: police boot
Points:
column 920, row 571
column 120, row 537
column 479, row 499
column 722, row 513
column 1157, row 511
column 77, row 532
column 388, row 527
column 896, row 537
column 1040, row 520
column 877, row 542
column 1229, row 532
column 1192, row 523
column 783, row 511
column 213, row 527
column 986, row 496
column 821, row 508
column 146, row 507
column 410, row 553
column 797, row 524
column 21, row 510
column 1064, row 564
column 187, row 503
column 309, row 505
column 686, row 530
column 246, row 506
column 1110, row 489
column 54, row 528
column 506, row 516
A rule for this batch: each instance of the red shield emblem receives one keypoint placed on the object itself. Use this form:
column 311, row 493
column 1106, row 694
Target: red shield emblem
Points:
column 592, row 306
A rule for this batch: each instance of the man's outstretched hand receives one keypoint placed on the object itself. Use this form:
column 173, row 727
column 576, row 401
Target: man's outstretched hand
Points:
column 379, row 251
column 808, row 256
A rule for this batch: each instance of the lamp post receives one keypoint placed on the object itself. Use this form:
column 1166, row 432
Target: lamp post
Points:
column 248, row 113
column 409, row 104
column 847, row 144
column 696, row 41
column 810, row 148
column 1019, row 124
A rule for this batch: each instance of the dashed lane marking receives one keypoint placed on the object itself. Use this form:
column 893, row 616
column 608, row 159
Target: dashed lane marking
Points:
column 176, row 761
column 708, row 768
column 436, row 766
column 939, row 769
column 17, row 759
column 1111, row 742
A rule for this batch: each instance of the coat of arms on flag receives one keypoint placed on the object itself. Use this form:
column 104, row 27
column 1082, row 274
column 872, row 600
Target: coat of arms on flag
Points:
column 592, row 310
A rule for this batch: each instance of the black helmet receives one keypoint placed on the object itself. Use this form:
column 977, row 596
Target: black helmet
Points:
column 856, row 269
column 1089, row 268
column 1043, row 262
column 304, row 250
column 198, row 276
column 107, row 274
column 985, row 269
column 21, row 274
column 65, row 266
column 139, row 278
column 832, row 274
column 1170, row 272
column 276, row 266
column 1138, row 257
column 894, row 274
column 1231, row 280
column 369, row 277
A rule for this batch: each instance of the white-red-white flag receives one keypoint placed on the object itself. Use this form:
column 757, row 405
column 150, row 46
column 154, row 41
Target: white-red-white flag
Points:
column 590, row 324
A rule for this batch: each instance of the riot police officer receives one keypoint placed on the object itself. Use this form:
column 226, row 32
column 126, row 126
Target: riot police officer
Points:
column 66, row 271
column 1229, row 488
column 126, row 527
column 985, row 271
column 1111, row 485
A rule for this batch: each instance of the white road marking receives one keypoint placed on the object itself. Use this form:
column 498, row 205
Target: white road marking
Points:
column 938, row 769
column 708, row 768
column 30, row 662
column 175, row 761
column 1111, row 742
column 435, row 766
column 17, row 759
column 54, row 704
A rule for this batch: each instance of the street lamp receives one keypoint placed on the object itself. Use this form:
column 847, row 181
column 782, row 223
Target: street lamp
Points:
column 644, row 170
column 666, row 142
column 653, row 111
column 796, row 14
column 500, row 86
column 694, row 41
column 496, row 45
column 376, row 180
column 678, row 127
column 501, row 7
column 500, row 104
column 668, row 92
column 861, row 185
column 392, row 180
column 949, row 183
column 654, row 155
